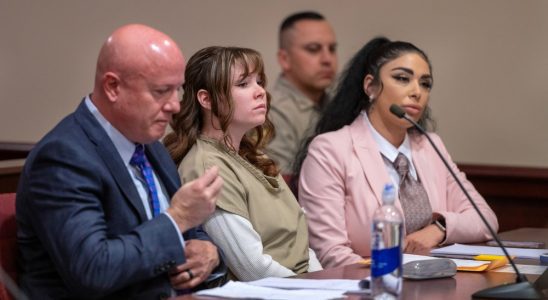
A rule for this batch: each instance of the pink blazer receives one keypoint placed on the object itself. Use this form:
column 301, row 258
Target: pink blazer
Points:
column 341, row 183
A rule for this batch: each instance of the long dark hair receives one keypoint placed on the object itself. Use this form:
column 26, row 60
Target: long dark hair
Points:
column 350, row 98
column 210, row 69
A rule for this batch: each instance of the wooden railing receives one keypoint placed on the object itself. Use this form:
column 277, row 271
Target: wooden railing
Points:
column 10, row 150
column 12, row 158
column 518, row 195
column 10, row 170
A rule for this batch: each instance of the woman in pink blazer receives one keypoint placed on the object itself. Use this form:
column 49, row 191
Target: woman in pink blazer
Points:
column 350, row 157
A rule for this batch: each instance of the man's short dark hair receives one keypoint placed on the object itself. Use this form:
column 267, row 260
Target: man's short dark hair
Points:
column 304, row 15
column 296, row 17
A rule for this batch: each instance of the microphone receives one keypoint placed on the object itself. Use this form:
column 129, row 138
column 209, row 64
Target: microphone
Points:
column 522, row 289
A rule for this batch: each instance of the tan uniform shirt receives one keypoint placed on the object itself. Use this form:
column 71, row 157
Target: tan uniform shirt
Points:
column 294, row 117
column 265, row 201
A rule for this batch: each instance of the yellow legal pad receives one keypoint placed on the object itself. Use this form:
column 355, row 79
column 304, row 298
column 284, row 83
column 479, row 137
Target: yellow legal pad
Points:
column 491, row 262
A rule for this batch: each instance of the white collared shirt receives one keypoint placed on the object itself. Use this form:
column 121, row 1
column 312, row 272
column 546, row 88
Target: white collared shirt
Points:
column 390, row 153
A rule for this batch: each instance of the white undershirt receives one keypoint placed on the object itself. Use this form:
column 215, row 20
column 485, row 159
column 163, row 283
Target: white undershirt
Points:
column 243, row 248
column 390, row 153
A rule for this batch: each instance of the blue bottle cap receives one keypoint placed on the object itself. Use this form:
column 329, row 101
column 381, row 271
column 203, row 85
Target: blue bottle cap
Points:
column 544, row 258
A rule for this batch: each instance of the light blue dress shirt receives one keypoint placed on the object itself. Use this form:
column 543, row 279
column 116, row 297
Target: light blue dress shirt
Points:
column 126, row 148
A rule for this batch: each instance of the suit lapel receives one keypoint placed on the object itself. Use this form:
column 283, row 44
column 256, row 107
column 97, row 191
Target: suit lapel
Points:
column 110, row 156
column 369, row 156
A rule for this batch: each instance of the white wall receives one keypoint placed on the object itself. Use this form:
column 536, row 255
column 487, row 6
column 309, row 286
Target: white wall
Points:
column 490, row 58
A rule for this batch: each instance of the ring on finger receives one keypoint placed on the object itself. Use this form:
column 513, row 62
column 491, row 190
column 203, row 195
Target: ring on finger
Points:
column 190, row 274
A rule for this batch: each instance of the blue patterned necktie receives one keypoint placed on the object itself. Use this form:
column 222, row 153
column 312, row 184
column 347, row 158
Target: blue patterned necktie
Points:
column 140, row 161
column 413, row 197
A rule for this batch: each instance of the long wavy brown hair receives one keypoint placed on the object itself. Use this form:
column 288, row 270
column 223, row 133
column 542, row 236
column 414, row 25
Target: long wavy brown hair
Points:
column 210, row 69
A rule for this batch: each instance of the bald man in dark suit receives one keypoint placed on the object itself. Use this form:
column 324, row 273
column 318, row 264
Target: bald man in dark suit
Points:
column 91, row 223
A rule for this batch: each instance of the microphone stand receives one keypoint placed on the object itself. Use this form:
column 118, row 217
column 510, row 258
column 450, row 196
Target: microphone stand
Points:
column 522, row 289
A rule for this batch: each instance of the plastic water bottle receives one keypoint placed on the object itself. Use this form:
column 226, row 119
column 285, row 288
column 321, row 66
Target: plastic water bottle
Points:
column 386, row 251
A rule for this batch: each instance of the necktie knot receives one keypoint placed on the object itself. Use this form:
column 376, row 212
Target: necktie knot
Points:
column 138, row 158
column 402, row 165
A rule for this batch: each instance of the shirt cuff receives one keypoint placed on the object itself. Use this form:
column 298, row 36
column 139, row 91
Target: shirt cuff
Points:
column 180, row 235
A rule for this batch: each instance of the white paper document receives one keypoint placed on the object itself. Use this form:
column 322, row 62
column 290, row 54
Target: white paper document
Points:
column 459, row 249
column 242, row 290
column 346, row 285
column 524, row 269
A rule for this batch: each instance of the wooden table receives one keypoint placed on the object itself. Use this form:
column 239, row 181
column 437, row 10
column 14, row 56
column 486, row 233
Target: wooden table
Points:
column 462, row 286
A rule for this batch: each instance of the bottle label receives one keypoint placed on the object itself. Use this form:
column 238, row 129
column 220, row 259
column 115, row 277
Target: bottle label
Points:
column 384, row 261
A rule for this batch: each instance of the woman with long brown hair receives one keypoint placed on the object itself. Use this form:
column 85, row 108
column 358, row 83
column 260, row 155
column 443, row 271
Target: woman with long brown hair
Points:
column 223, row 122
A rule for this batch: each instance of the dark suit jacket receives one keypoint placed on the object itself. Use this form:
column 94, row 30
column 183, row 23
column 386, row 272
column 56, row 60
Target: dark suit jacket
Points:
column 82, row 228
